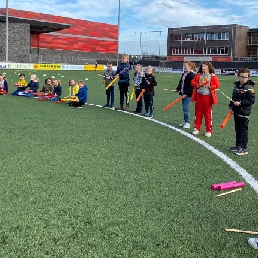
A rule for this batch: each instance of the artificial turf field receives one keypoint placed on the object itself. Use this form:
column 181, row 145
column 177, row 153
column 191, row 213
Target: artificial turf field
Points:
column 94, row 182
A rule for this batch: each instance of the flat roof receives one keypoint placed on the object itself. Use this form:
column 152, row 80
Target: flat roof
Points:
column 37, row 26
column 253, row 30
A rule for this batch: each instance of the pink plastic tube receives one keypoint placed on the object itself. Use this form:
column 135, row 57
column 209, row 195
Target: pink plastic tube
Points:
column 217, row 186
column 226, row 187
column 239, row 184
column 231, row 186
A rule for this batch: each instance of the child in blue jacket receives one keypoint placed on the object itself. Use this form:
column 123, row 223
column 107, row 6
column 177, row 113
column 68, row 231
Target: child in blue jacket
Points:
column 123, row 74
column 82, row 96
column 57, row 92
column 34, row 83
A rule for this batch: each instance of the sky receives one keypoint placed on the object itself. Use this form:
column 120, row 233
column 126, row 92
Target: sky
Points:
column 150, row 19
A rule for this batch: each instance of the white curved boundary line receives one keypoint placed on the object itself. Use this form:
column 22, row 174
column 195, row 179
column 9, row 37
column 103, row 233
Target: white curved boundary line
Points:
column 241, row 171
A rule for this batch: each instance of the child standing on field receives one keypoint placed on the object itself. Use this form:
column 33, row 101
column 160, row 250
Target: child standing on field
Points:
column 185, row 89
column 137, row 83
column 148, row 84
column 123, row 73
column 243, row 98
column 205, row 83
column 108, row 77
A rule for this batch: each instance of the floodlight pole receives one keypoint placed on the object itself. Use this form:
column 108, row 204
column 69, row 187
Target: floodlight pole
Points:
column 6, row 32
column 159, row 38
column 118, row 25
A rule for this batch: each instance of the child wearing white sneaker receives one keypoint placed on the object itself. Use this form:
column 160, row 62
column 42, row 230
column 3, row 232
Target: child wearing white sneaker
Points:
column 205, row 83
column 243, row 99
column 185, row 89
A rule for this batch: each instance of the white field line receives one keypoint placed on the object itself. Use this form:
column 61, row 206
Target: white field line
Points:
column 241, row 171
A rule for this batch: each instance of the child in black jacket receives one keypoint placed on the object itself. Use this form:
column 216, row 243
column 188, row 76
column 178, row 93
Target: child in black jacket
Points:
column 243, row 98
column 148, row 83
column 185, row 89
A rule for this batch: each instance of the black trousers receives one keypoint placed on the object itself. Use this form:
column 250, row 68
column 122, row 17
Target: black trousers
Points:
column 148, row 100
column 139, row 103
column 123, row 88
column 241, row 128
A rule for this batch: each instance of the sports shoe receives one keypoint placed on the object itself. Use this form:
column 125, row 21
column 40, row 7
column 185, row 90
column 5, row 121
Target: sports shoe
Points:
column 121, row 107
column 150, row 115
column 208, row 134
column 233, row 148
column 186, row 126
column 146, row 114
column 195, row 131
column 105, row 106
column 182, row 124
column 253, row 242
column 241, row 152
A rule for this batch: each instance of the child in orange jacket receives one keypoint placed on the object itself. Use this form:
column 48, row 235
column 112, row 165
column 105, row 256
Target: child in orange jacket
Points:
column 205, row 83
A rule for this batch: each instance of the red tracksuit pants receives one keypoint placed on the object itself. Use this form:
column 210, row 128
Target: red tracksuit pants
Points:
column 203, row 108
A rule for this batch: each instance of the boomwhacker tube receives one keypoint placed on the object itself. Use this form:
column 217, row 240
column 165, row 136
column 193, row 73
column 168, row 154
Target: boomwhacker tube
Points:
column 140, row 95
column 111, row 83
column 172, row 103
column 225, row 121
column 132, row 94
column 216, row 186
column 231, row 186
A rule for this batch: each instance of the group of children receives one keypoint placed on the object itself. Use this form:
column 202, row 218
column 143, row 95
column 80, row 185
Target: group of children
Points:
column 201, row 87
column 194, row 86
column 51, row 88
column 143, row 86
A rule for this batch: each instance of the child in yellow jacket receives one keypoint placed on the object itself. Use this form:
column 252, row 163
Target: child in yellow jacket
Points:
column 73, row 88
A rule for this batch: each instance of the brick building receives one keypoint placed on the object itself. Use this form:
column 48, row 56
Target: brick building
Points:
column 37, row 37
column 212, row 43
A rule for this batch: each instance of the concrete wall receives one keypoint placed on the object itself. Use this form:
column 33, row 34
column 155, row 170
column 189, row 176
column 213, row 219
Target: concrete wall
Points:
column 68, row 57
column 19, row 42
column 241, row 41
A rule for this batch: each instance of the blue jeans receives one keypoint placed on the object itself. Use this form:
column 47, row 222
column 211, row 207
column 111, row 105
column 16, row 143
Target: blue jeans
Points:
column 110, row 94
column 186, row 108
column 148, row 99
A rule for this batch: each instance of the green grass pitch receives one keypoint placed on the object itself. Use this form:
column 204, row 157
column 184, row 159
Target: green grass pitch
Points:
column 94, row 182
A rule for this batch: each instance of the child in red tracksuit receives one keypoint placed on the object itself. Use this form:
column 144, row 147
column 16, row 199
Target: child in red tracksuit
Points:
column 205, row 83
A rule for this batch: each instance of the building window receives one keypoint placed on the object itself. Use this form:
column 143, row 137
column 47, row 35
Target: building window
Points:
column 223, row 50
column 252, row 52
column 198, row 51
column 175, row 51
column 199, row 36
column 186, row 51
column 188, row 36
column 225, row 35
column 253, row 39
column 212, row 36
column 176, row 37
